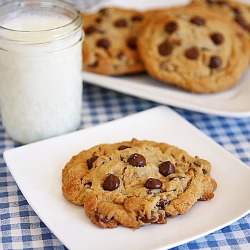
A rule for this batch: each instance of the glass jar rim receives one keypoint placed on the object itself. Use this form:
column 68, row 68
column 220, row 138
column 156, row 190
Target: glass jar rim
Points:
column 20, row 6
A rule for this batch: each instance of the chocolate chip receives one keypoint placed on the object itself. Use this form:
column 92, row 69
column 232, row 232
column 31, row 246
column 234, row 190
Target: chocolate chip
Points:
column 89, row 30
column 236, row 11
column 137, row 160
column 131, row 42
column 111, row 183
column 197, row 163
column 241, row 21
column 98, row 20
column 152, row 183
column 103, row 43
column 103, row 220
column 120, row 23
column 166, row 168
column 122, row 147
column 218, row 2
column 199, row 21
column 103, row 11
column 171, row 27
column 137, row 18
column 217, row 38
column 204, row 171
column 91, row 161
column 162, row 203
column 192, row 53
column 215, row 62
column 165, row 48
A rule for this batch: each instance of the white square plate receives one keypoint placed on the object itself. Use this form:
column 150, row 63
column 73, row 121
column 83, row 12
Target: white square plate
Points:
column 37, row 168
column 234, row 102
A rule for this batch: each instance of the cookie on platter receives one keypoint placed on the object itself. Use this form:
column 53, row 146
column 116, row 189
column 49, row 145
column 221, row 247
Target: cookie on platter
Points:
column 110, row 43
column 194, row 49
column 141, row 182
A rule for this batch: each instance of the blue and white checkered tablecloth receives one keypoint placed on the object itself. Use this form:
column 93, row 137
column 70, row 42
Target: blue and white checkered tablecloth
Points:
column 21, row 228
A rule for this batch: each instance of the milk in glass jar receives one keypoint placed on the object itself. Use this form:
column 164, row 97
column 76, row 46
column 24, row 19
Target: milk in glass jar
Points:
column 40, row 68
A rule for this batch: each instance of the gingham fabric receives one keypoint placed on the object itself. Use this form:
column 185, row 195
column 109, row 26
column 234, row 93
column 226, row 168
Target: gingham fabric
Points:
column 21, row 228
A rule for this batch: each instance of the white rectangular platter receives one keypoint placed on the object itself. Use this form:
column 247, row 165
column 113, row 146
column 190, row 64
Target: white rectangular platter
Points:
column 232, row 103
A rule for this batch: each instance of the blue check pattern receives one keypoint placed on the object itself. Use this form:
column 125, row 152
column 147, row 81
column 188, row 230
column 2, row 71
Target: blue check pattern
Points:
column 21, row 228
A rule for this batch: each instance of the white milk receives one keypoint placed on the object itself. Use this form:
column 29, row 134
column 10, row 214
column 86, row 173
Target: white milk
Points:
column 40, row 80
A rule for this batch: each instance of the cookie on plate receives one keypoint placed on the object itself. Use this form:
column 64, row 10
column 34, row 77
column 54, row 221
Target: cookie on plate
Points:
column 110, row 43
column 194, row 49
column 143, row 184
column 234, row 10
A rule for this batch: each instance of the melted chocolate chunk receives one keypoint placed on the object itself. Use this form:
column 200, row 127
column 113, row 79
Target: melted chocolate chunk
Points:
column 152, row 183
column 103, row 220
column 192, row 53
column 165, row 48
column 120, row 23
column 166, row 168
column 137, row 160
column 90, row 30
column 197, row 163
column 236, row 11
column 131, row 43
column 103, row 43
column 217, row 38
column 218, row 2
column 171, row 27
column 123, row 147
column 120, row 55
column 204, row 171
column 111, row 183
column 199, row 21
column 91, row 161
column 162, row 203
column 241, row 21
column 103, row 11
column 215, row 62
column 98, row 20
column 137, row 18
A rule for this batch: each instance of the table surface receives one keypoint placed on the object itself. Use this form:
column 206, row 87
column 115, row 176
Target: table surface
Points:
column 21, row 228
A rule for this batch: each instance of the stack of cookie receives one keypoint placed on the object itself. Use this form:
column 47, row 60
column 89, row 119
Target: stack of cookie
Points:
column 192, row 47
column 136, row 183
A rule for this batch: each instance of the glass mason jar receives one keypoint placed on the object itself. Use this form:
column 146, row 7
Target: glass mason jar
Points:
column 40, row 68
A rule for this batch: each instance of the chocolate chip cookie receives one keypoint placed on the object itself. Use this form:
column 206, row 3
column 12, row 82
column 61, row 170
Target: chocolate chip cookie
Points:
column 142, row 182
column 110, row 43
column 233, row 10
column 194, row 49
